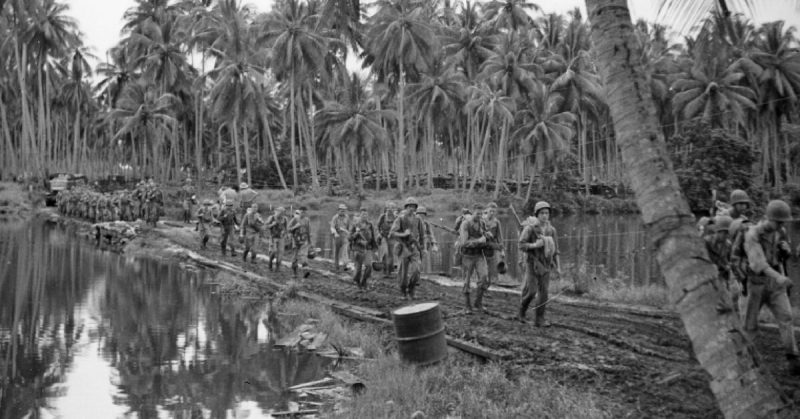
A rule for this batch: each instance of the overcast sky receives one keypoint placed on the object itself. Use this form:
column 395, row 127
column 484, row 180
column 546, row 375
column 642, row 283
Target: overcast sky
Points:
column 101, row 20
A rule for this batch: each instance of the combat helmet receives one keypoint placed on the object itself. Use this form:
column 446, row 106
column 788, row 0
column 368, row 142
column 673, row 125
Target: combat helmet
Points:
column 540, row 206
column 422, row 210
column 739, row 196
column 778, row 210
column 722, row 222
column 411, row 201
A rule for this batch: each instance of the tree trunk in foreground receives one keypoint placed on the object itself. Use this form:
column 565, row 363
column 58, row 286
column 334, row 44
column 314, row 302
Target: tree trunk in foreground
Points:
column 740, row 387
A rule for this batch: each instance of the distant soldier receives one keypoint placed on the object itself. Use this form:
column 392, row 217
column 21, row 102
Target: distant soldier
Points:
column 430, row 241
column 205, row 217
column 767, row 248
column 538, row 240
column 229, row 223
column 300, row 229
column 277, row 225
column 495, row 251
column 363, row 244
column 125, row 213
column 247, row 196
column 250, row 230
column 385, row 242
column 155, row 202
column 473, row 239
column 229, row 194
column 340, row 228
column 718, row 246
column 740, row 211
column 140, row 194
column 409, row 231
column 188, row 201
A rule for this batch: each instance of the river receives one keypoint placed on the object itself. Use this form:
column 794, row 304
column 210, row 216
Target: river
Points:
column 91, row 334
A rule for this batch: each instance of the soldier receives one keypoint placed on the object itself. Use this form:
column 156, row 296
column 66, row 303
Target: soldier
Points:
column 340, row 228
column 247, row 196
column 125, row 213
column 495, row 252
column 205, row 217
column 386, row 243
column 473, row 244
column 139, row 194
column 430, row 241
column 188, row 201
column 739, row 212
column 410, row 234
column 277, row 225
column 228, row 222
column 250, row 230
column 363, row 244
column 300, row 229
column 767, row 248
column 718, row 246
column 538, row 240
column 229, row 194
column 465, row 213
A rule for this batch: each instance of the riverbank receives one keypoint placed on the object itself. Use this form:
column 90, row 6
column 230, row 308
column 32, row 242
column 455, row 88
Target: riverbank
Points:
column 15, row 202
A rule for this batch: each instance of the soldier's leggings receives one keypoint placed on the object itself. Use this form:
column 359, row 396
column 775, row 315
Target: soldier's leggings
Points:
column 362, row 259
column 536, row 286
column 409, row 269
column 476, row 264
column 227, row 232
column 276, row 246
column 250, row 245
column 764, row 291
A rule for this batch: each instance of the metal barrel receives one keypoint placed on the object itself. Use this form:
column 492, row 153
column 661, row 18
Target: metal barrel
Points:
column 419, row 331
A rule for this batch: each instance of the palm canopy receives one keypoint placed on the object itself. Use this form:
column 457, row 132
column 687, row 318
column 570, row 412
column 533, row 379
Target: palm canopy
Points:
column 510, row 67
column 296, row 46
column 143, row 112
column 400, row 37
column 510, row 14
column 545, row 129
column 778, row 62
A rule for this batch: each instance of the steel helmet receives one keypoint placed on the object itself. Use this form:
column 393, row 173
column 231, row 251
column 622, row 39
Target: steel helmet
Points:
column 280, row 209
column 342, row 207
column 722, row 222
column 243, row 185
column 422, row 210
column 540, row 206
column 391, row 205
column 207, row 202
column 254, row 206
column 411, row 201
column 778, row 210
column 739, row 196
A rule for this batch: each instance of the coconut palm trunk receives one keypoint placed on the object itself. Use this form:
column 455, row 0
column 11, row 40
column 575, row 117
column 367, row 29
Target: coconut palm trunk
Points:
column 400, row 164
column 741, row 388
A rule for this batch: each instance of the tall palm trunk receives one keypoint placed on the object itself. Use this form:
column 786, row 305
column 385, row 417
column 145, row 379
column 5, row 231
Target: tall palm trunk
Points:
column 292, row 132
column 401, row 171
column 274, row 153
column 741, row 388
column 479, row 158
column 246, row 145
column 501, row 163
column 234, row 130
column 76, row 135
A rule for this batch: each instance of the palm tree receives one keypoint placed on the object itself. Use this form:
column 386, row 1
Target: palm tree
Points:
column 495, row 108
column 298, row 50
column 679, row 250
column 353, row 128
column 400, row 42
column 509, row 67
column 545, row 130
column 510, row 14
column 145, row 117
column 77, row 94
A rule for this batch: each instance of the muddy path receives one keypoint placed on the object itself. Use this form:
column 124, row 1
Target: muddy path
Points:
column 638, row 365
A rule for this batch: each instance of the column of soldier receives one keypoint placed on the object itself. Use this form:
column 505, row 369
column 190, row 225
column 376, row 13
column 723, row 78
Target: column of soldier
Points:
column 145, row 202
column 752, row 258
column 401, row 240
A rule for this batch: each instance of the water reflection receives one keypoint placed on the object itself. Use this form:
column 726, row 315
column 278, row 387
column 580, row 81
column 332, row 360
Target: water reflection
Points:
column 85, row 333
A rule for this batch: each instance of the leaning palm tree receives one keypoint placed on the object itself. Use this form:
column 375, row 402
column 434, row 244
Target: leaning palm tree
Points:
column 400, row 42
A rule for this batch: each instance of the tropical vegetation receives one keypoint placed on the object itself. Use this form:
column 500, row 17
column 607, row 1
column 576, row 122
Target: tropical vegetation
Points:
column 470, row 92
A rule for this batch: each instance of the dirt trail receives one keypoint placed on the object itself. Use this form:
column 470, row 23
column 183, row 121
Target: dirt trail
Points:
column 639, row 365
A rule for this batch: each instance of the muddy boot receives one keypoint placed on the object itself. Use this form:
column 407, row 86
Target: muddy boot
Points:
column 294, row 269
column 479, row 300
column 523, row 308
column 411, row 293
column 467, row 304
column 794, row 364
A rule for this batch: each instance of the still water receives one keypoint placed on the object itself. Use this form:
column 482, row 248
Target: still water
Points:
column 91, row 334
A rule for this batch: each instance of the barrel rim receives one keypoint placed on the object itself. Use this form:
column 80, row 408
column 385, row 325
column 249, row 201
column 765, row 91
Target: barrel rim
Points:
column 405, row 310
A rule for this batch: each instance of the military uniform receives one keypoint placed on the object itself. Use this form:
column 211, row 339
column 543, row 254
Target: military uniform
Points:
column 494, row 248
column 277, row 225
column 474, row 249
column 250, row 229
column 363, row 244
column 385, row 242
column 340, row 227
column 247, row 197
column 300, row 229
column 228, row 222
column 205, row 217
column 410, row 234
column 719, row 250
column 538, row 240
column 188, row 192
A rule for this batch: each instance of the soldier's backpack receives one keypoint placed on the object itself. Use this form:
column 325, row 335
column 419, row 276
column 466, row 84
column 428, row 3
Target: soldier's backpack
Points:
column 739, row 264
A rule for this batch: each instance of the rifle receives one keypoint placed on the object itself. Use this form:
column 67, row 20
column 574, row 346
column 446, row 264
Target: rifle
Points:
column 516, row 216
column 445, row 228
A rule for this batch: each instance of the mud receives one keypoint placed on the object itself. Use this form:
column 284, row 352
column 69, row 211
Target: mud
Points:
column 639, row 365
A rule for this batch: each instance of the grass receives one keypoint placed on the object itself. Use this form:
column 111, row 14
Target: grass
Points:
column 462, row 389
column 578, row 280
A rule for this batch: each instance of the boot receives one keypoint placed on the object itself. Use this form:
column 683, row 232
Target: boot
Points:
column 270, row 262
column 411, row 294
column 294, row 269
column 794, row 364
column 467, row 303
column 521, row 313
column 479, row 300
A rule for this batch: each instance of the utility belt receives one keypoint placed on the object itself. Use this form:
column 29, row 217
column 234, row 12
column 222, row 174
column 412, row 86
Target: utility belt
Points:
column 477, row 251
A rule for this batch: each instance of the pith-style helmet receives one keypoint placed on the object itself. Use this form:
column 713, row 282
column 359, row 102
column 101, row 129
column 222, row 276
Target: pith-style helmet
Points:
column 778, row 210
column 739, row 196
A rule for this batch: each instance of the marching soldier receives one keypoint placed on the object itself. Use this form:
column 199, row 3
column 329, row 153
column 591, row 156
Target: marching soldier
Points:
column 188, row 192
column 228, row 222
column 277, row 225
column 125, row 213
column 340, row 228
column 739, row 212
column 767, row 248
column 538, row 240
column 300, row 229
column 430, row 241
column 465, row 213
column 410, row 233
column 473, row 238
column 387, row 243
column 250, row 231
column 718, row 246
column 363, row 244
column 247, row 197
column 205, row 217
column 495, row 252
